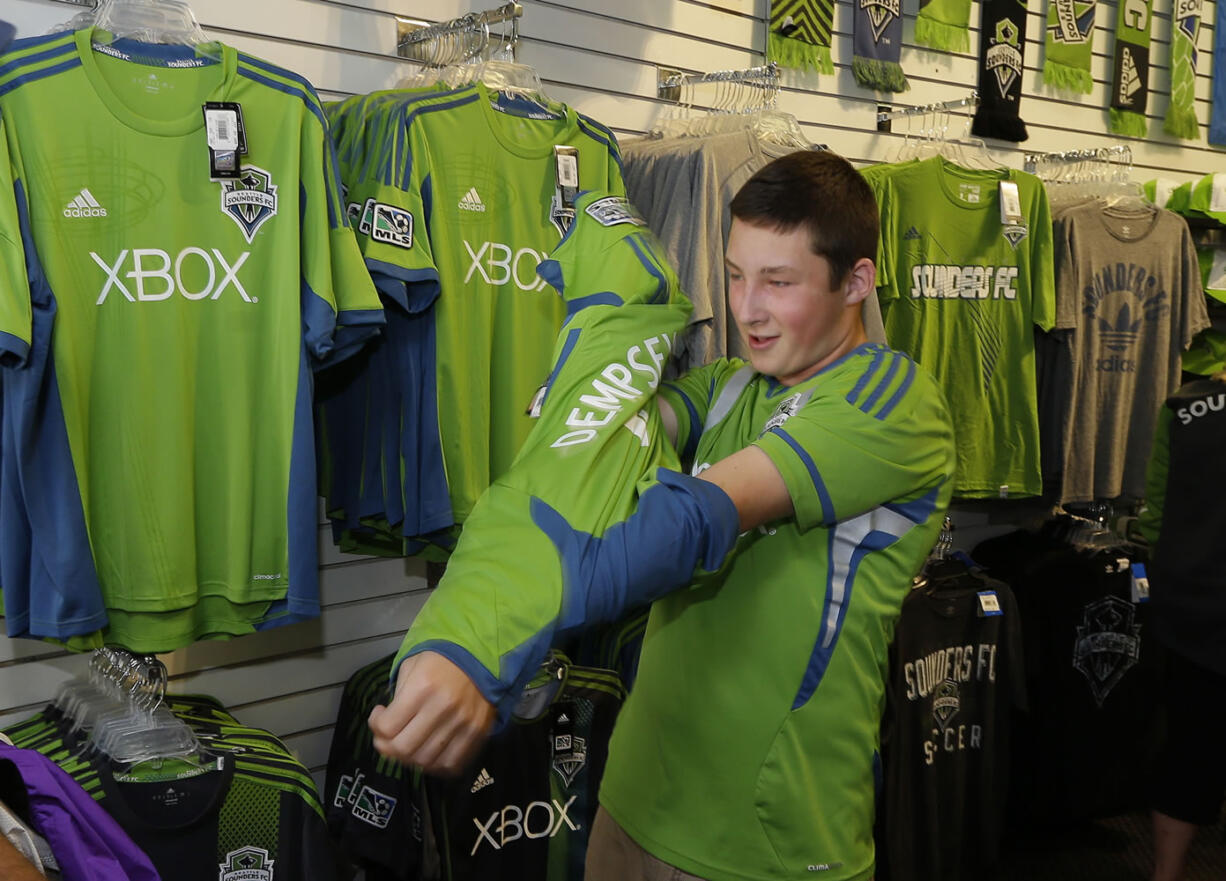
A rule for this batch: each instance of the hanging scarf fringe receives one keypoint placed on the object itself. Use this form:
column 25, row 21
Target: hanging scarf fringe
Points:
column 1181, row 123
column 1125, row 122
column 942, row 36
column 884, row 76
column 1062, row 76
column 799, row 54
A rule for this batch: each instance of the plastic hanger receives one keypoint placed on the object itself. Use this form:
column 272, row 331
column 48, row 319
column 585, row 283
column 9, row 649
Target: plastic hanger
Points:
column 149, row 21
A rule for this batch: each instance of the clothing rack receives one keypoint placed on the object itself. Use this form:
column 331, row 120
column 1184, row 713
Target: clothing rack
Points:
column 885, row 114
column 670, row 82
column 1086, row 163
column 454, row 40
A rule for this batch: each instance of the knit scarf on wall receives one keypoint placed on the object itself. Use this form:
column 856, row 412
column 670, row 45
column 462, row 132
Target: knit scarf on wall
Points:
column 1069, row 46
column 800, row 34
column 1217, row 115
column 1002, row 43
column 877, row 45
column 1181, row 111
column 1130, row 85
column 944, row 25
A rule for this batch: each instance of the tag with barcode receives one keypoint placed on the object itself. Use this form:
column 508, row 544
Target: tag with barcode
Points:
column 221, row 129
column 989, row 603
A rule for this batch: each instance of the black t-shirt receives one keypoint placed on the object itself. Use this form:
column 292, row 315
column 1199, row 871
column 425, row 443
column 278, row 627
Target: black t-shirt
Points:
column 1093, row 673
column 955, row 674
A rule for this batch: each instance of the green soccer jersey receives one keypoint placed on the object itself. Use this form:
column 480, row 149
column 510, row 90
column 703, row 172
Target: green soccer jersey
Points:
column 748, row 746
column 459, row 207
column 962, row 292
column 159, row 425
column 509, row 590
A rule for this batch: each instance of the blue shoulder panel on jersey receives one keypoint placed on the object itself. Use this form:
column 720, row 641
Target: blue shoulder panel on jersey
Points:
column 876, row 394
column 598, row 132
column 13, row 350
column 603, row 298
column 918, row 510
column 828, row 512
column 34, row 76
column 866, row 377
column 307, row 88
column 66, row 47
column 312, row 105
column 572, row 339
column 901, row 392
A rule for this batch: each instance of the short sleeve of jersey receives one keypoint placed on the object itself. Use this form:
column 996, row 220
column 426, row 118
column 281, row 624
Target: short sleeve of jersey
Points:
column 691, row 395
column 846, row 452
column 1042, row 259
column 15, row 329
column 878, row 178
column 341, row 309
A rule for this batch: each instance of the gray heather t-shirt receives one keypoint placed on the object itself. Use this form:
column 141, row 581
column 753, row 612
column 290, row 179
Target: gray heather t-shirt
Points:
column 683, row 187
column 1128, row 290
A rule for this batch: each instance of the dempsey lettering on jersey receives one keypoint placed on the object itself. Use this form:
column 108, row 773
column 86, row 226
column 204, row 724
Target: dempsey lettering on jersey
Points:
column 613, row 388
column 194, row 274
column 951, row 282
column 540, row 819
column 246, row 864
column 250, row 199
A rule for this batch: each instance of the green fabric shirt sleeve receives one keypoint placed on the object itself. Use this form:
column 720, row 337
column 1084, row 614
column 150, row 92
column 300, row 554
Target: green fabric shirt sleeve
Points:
column 844, row 454
column 1042, row 261
column 1149, row 523
column 15, row 329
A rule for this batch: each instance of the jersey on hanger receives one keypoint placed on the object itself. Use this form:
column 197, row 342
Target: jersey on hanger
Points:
column 158, row 451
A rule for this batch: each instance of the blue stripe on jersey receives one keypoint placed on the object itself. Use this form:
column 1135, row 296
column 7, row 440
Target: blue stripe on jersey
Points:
column 849, row 543
column 598, row 132
column 661, row 292
column 871, row 400
column 867, row 376
column 442, row 105
column 427, row 198
column 820, row 485
column 551, row 272
column 67, row 48
column 901, row 392
column 917, row 510
column 332, row 173
column 420, row 286
column 301, row 601
column 268, row 67
column 312, row 105
column 604, row 298
column 572, row 339
column 695, row 432
column 318, row 322
column 13, row 349
column 65, row 600
column 36, row 75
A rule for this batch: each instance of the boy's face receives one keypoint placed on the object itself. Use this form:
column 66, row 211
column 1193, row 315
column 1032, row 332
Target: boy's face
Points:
column 779, row 293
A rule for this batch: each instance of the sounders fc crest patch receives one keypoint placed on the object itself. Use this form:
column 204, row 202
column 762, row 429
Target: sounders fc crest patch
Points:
column 249, row 199
column 1014, row 233
column 246, row 864
column 614, row 210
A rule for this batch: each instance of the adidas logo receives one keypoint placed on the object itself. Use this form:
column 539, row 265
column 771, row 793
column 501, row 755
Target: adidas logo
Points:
column 1122, row 334
column 84, row 205
column 472, row 201
column 1130, row 81
column 564, row 718
column 483, row 779
column 911, row 235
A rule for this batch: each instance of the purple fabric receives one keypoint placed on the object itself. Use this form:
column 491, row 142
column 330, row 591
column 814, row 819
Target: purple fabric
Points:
column 87, row 843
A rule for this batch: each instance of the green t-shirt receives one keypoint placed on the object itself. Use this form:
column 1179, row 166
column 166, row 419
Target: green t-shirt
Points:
column 962, row 292
column 470, row 180
column 160, row 423
column 748, row 745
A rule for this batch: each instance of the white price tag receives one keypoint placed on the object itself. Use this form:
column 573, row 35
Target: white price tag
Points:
column 221, row 129
column 989, row 603
column 568, row 170
column 1010, row 202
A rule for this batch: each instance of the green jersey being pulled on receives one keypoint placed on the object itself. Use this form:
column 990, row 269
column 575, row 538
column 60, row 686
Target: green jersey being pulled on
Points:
column 158, row 451
column 594, row 452
column 748, row 745
column 961, row 292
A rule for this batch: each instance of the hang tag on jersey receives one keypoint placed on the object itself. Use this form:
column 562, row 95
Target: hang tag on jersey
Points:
column 1140, row 583
column 1010, row 203
column 989, row 604
column 538, row 401
column 566, row 169
column 226, row 138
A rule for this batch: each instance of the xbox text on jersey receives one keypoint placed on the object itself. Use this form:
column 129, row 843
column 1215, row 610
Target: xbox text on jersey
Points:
column 194, row 274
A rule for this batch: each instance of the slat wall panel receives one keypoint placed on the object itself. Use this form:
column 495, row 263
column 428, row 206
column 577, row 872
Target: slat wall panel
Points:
column 601, row 57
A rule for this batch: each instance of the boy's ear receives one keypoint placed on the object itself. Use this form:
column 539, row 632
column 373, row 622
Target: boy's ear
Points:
column 861, row 281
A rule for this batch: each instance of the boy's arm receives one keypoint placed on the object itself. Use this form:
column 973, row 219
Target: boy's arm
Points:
column 438, row 718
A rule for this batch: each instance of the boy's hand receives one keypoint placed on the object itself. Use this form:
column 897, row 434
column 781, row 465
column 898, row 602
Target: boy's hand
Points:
column 437, row 719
